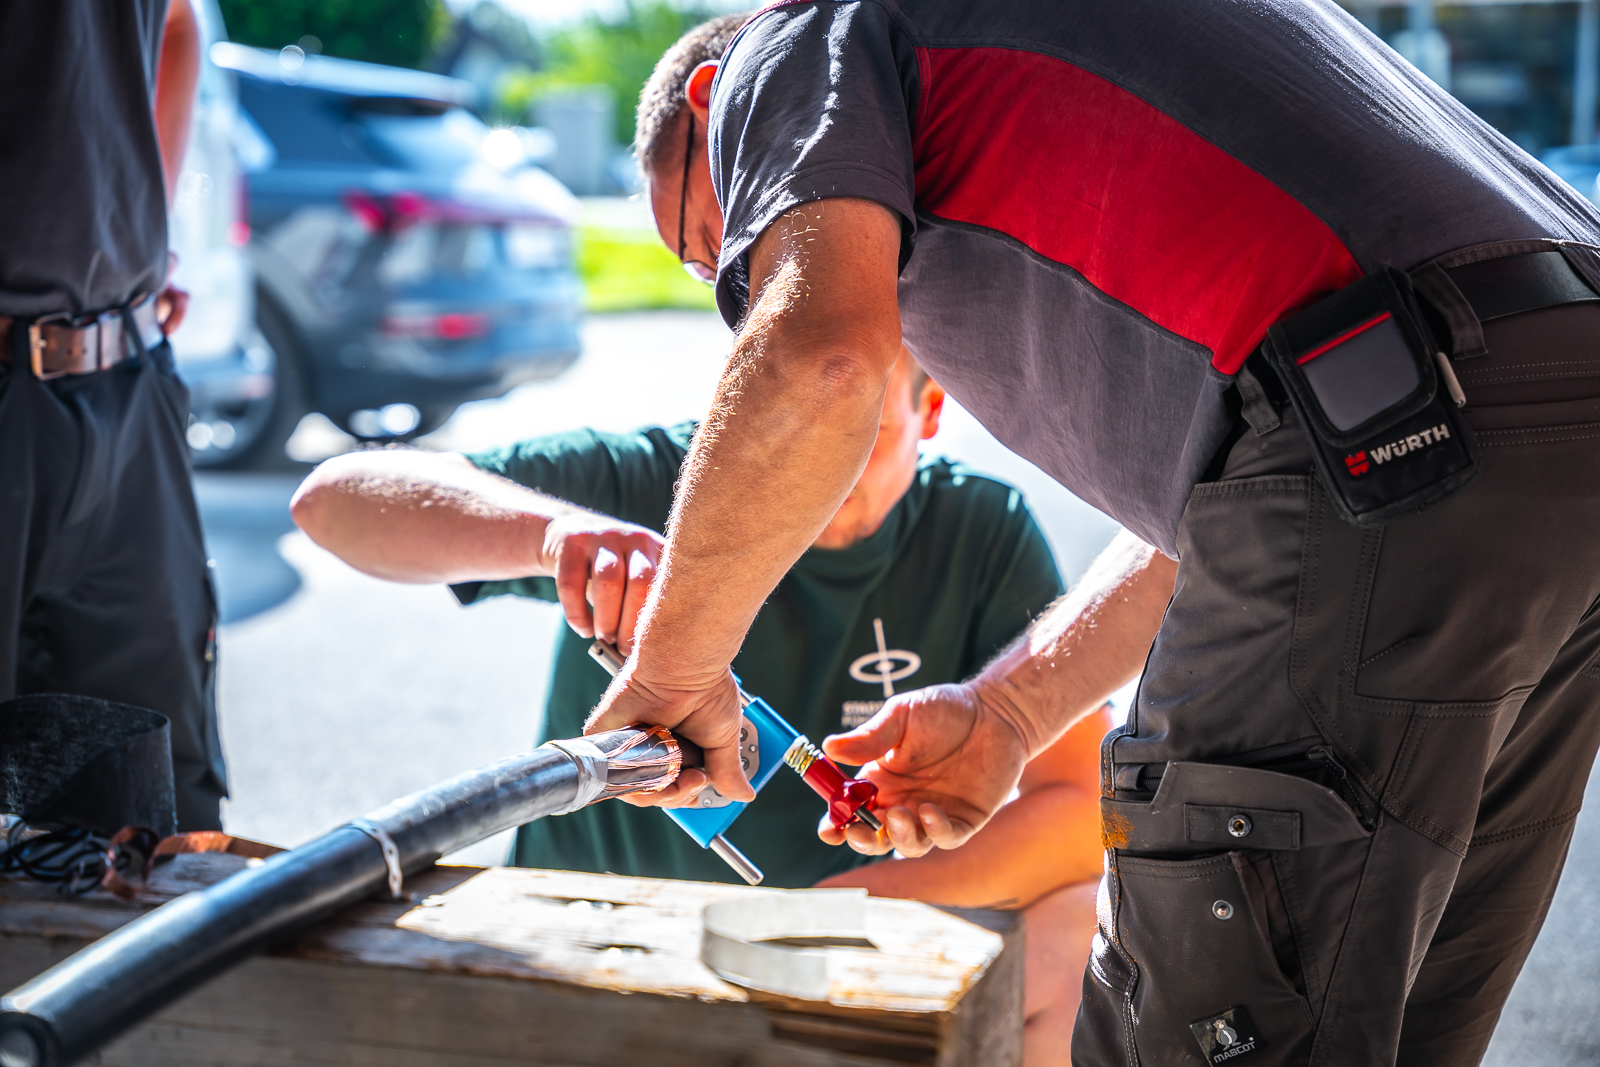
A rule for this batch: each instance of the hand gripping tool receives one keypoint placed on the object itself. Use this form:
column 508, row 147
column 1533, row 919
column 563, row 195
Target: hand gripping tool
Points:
column 766, row 742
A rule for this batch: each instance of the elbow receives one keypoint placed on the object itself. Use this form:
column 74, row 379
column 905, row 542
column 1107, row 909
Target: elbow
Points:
column 313, row 502
column 838, row 367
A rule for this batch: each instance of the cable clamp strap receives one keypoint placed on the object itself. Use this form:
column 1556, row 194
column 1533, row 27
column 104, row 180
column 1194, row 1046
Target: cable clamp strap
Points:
column 593, row 768
column 391, row 854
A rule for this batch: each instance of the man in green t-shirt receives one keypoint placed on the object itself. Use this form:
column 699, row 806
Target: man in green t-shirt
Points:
column 926, row 572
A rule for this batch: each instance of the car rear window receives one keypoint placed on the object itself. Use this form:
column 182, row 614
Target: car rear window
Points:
column 438, row 143
column 309, row 125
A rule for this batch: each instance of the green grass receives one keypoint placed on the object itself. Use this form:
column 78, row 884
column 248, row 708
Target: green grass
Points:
column 631, row 270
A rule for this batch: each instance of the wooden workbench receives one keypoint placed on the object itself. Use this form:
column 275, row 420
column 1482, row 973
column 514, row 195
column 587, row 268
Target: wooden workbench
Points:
column 505, row 966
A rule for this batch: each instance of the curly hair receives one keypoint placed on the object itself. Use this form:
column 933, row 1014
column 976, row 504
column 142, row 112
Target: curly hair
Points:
column 661, row 101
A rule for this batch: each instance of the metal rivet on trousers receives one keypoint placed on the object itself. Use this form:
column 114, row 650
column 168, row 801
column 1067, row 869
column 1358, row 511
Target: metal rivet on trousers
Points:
column 1239, row 826
column 1222, row 909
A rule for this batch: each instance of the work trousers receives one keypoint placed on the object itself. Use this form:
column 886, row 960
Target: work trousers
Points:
column 104, row 586
column 1404, row 718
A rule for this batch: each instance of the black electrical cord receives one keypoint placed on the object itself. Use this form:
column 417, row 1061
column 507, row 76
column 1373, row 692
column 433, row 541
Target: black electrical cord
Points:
column 72, row 858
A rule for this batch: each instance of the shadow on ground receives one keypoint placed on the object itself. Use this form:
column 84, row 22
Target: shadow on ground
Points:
column 244, row 516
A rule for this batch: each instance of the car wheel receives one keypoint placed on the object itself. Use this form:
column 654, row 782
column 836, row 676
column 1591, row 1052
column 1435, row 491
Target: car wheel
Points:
column 247, row 428
column 395, row 423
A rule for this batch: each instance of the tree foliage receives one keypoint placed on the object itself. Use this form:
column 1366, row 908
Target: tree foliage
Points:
column 399, row 32
column 618, row 54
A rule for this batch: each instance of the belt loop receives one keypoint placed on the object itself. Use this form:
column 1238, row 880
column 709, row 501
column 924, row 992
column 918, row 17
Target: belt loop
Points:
column 1257, row 410
column 1436, row 286
column 1584, row 262
column 131, row 327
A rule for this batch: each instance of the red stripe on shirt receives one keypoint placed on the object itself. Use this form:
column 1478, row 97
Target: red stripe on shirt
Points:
column 1087, row 174
column 1343, row 337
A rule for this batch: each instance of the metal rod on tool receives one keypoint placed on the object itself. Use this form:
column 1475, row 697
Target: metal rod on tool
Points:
column 737, row 860
column 89, row 998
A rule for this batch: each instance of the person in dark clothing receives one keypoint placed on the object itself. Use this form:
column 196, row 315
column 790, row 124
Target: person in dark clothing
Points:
column 104, row 587
column 1317, row 336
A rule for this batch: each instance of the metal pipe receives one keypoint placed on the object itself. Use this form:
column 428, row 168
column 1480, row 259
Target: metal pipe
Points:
column 94, row 995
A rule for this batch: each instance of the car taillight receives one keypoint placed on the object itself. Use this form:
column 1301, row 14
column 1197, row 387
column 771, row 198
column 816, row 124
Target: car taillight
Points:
column 445, row 326
column 393, row 211
column 239, row 228
column 368, row 211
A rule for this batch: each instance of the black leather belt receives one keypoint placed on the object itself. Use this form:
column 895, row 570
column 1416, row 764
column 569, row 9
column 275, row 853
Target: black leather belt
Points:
column 1511, row 285
column 1472, row 286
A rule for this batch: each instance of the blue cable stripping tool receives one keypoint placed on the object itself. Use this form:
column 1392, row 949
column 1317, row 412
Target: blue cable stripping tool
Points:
column 766, row 742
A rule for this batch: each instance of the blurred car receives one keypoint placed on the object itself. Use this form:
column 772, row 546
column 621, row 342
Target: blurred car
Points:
column 1578, row 165
column 226, row 363
column 407, row 257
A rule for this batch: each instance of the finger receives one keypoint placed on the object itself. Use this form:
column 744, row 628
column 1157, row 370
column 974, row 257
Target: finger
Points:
column 869, row 741
column 641, row 574
column 722, row 765
column 607, row 585
column 939, row 828
column 905, row 832
column 866, row 840
column 679, row 794
column 830, row 834
column 572, row 582
column 180, row 308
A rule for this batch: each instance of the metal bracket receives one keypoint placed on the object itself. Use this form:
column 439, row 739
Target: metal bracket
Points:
column 391, row 854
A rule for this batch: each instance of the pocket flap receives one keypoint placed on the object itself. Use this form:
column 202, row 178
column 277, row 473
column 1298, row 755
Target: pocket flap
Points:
column 1196, row 802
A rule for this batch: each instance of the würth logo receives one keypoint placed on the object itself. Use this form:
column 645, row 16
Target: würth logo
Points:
column 1360, row 462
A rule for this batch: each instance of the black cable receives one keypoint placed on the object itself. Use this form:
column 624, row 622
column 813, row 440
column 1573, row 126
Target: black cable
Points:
column 71, row 859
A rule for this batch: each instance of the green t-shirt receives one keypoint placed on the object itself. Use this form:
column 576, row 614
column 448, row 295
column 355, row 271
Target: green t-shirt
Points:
column 956, row 571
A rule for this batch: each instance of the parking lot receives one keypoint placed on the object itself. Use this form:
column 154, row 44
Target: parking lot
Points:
column 340, row 692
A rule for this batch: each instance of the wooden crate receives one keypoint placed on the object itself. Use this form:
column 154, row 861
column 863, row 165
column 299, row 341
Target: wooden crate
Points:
column 507, row 966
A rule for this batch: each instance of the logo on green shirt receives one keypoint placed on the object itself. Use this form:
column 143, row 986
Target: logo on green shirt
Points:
column 878, row 667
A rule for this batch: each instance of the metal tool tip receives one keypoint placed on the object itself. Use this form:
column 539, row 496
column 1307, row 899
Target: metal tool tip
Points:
column 737, row 860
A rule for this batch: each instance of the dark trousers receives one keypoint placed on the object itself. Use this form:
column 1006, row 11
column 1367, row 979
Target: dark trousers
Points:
column 104, row 588
column 1440, row 676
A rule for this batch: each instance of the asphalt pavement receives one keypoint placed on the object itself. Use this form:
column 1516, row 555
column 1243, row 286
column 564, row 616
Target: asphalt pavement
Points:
column 340, row 692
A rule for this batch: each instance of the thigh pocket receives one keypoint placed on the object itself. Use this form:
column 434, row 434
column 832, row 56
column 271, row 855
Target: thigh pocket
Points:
column 1191, row 957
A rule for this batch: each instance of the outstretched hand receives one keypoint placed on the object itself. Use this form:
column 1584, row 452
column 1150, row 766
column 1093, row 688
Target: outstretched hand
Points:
column 943, row 762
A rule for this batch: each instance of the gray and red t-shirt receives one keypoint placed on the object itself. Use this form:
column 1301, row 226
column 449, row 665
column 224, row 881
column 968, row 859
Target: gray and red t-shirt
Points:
column 1106, row 205
column 83, row 211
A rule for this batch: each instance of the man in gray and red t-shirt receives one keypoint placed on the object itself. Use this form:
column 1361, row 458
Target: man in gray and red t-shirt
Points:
column 1241, row 277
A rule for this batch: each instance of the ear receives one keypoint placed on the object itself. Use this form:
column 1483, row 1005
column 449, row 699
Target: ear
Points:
column 697, row 90
column 932, row 407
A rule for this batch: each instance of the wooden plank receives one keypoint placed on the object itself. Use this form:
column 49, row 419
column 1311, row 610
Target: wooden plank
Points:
column 546, row 967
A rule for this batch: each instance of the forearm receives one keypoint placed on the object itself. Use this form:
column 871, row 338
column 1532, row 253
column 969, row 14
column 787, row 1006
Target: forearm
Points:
column 1085, row 647
column 1045, row 839
column 176, row 77
column 793, row 422
column 410, row 516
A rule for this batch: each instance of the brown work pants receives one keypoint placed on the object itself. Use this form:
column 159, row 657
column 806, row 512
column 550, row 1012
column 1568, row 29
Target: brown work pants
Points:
column 1441, row 675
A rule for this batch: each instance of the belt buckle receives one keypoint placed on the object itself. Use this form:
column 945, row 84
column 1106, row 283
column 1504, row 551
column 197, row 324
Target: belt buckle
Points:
column 36, row 344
